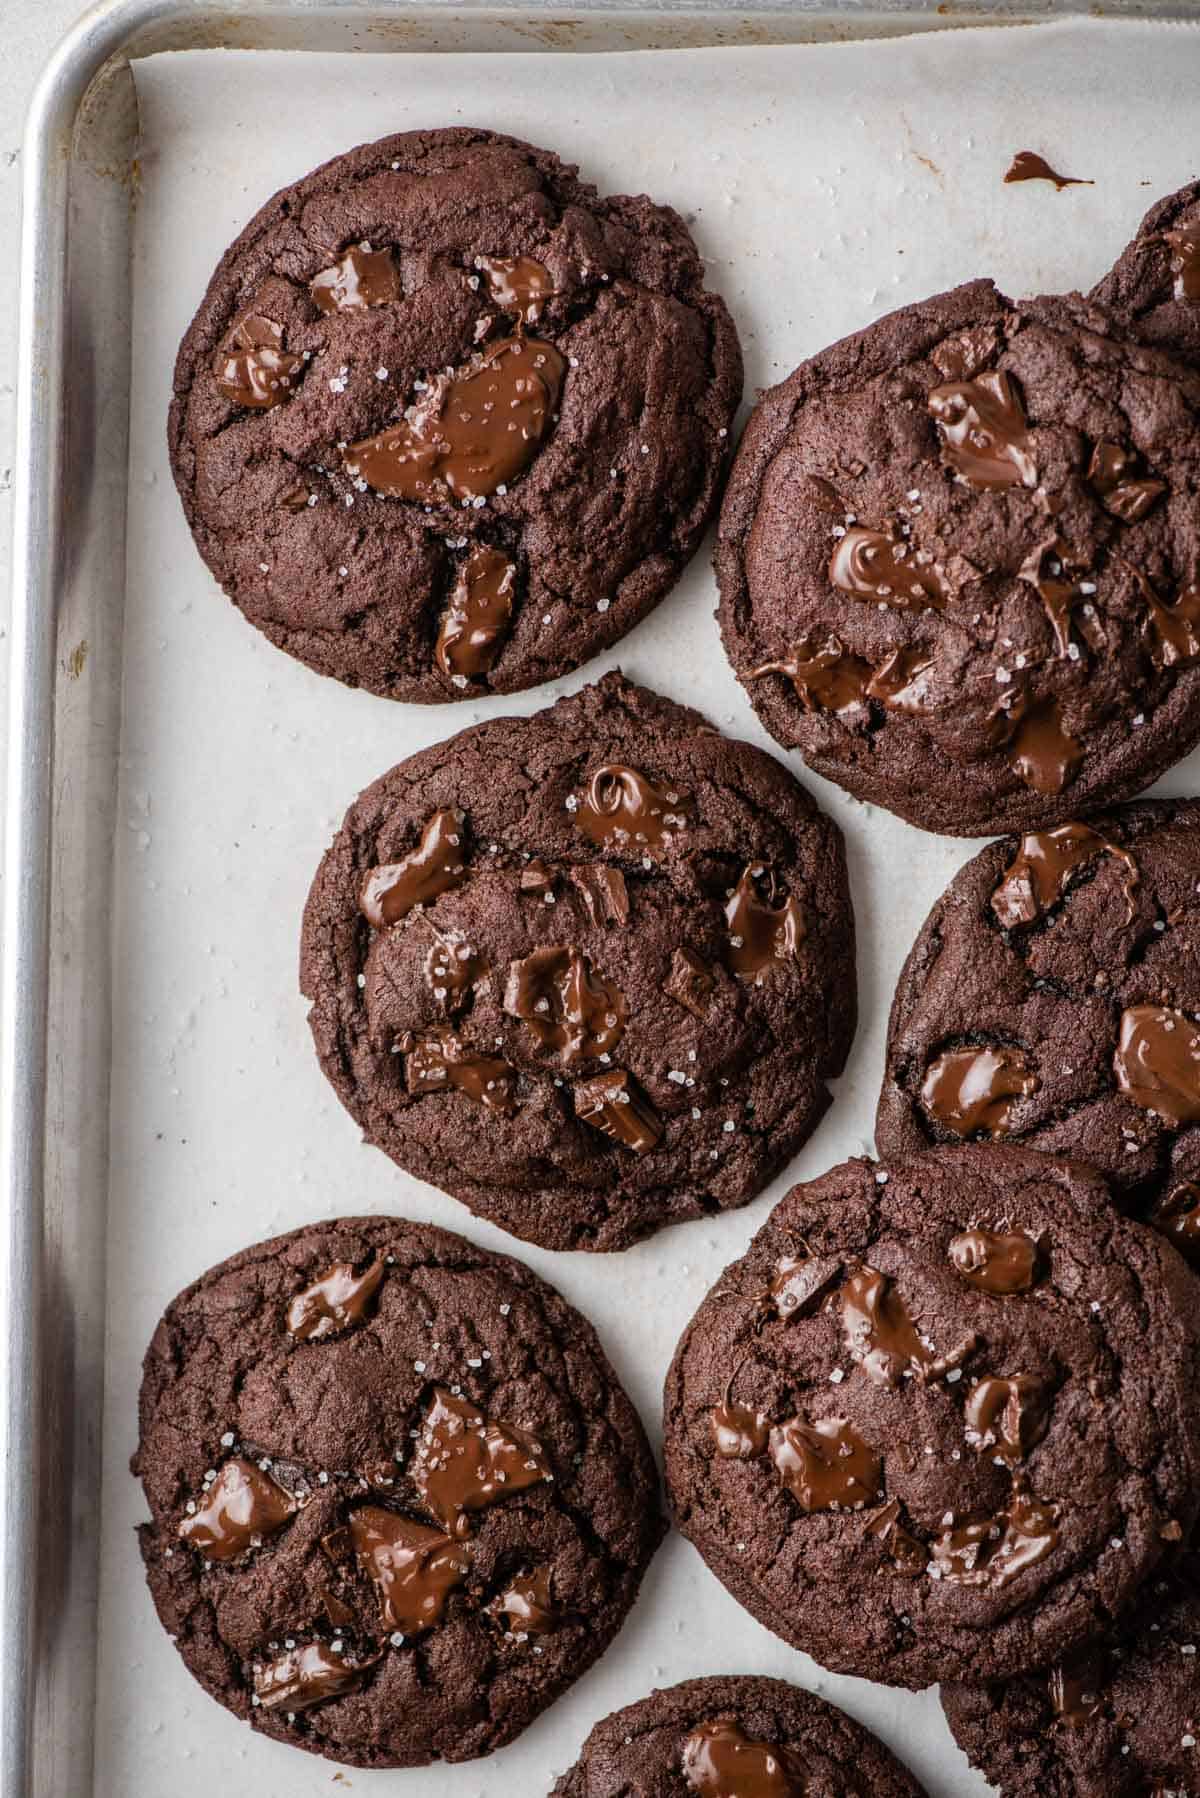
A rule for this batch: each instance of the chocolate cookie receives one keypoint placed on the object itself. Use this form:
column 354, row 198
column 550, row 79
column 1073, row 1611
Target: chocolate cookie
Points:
column 940, row 1422
column 1053, row 999
column 733, row 1737
column 588, row 971
column 447, row 421
column 399, row 1501
column 1154, row 288
column 959, row 561
column 1118, row 1720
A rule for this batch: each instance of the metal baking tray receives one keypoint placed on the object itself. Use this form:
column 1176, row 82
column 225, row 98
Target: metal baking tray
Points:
column 76, row 309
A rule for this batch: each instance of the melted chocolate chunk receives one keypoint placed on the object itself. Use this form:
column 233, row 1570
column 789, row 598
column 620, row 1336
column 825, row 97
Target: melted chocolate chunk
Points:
column 624, row 807
column 762, row 934
column 992, row 1551
column 465, row 1461
column 901, row 682
column 527, row 1605
column 517, row 285
column 1128, row 495
column 302, row 1677
column 1039, row 873
column 801, row 1282
column 909, row 1556
column 1045, row 571
column 739, row 1433
column 870, row 565
column 831, row 679
column 984, row 435
column 828, row 679
column 690, row 982
column 1185, row 260
column 1010, row 1416
column 615, row 1105
column 336, row 1301
column 360, row 278
column 1076, row 1689
column 453, row 968
column 570, row 1009
column 961, row 357
column 1177, row 1215
column 414, row 1568
column 471, row 432
column 536, row 877
column 999, row 1262
column 440, row 1061
column 389, row 893
column 478, row 617
column 881, row 1337
column 242, row 1507
column 825, row 1465
column 1027, row 165
column 1157, row 1063
column 966, row 1090
column 252, row 368
column 720, row 1761
column 603, row 891
column 1173, row 631
column 1042, row 751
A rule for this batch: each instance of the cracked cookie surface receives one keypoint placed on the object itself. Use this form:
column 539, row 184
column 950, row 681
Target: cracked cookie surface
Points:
column 399, row 1500
column 588, row 971
column 1118, row 1720
column 334, row 431
column 959, row 562
column 761, row 1738
column 1052, row 1000
column 940, row 1421
column 1154, row 286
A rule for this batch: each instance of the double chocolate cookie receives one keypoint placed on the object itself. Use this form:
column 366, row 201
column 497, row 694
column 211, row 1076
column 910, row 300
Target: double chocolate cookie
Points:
column 1118, row 1720
column 588, row 971
column 447, row 421
column 734, row 1738
column 940, row 1422
column 1052, row 999
column 959, row 561
column 1154, row 288
column 398, row 1499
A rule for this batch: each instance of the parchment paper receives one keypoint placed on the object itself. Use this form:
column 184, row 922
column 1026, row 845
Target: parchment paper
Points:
column 826, row 185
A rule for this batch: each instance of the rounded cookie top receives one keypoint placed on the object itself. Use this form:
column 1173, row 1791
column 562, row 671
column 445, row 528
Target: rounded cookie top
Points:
column 588, row 971
column 447, row 421
column 959, row 560
column 1052, row 999
column 398, row 1499
column 1117, row 1720
column 734, row 1737
column 1154, row 286
column 941, row 1418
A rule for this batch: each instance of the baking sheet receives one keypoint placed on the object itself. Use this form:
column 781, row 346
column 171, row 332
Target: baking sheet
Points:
column 825, row 185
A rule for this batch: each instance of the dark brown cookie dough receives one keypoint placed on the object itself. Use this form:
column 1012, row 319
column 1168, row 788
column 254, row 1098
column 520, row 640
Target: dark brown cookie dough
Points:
column 1117, row 1720
column 336, row 430
column 959, row 560
column 940, row 1422
column 732, row 1737
column 588, row 971
column 1052, row 999
column 1154, row 287
column 398, row 1499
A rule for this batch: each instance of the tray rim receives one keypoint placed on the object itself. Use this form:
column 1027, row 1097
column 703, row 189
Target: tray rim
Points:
column 85, row 92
